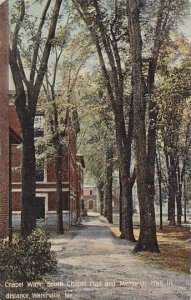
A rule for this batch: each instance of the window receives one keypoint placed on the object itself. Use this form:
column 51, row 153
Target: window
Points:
column 39, row 163
column 39, row 173
column 40, row 207
column 39, row 125
column 90, row 192
column 39, row 132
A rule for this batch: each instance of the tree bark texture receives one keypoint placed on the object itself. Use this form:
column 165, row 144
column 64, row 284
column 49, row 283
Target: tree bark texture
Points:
column 179, row 197
column 158, row 164
column 185, row 202
column 147, row 238
column 59, row 200
column 101, row 198
column 109, row 185
column 172, row 191
column 28, row 213
column 125, row 178
column 120, row 203
column 10, row 193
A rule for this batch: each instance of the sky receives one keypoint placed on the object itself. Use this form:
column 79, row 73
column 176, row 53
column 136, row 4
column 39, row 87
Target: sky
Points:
column 184, row 28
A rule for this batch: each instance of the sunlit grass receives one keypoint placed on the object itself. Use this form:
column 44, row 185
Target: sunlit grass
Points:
column 174, row 246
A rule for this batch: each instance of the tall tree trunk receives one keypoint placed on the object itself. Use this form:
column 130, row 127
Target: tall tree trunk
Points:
column 160, row 201
column 185, row 202
column 28, row 213
column 126, row 206
column 168, row 182
column 26, row 102
column 109, row 185
column 10, row 193
column 59, row 204
column 108, row 52
column 147, row 238
column 172, row 191
column 179, row 208
column 160, row 188
column 179, row 197
column 120, row 203
column 56, row 140
column 124, row 153
column 101, row 199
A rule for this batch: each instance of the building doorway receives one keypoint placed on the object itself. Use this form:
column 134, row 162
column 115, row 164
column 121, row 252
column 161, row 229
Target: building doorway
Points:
column 91, row 205
column 40, row 207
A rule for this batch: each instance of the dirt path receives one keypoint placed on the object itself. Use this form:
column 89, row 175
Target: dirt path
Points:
column 95, row 265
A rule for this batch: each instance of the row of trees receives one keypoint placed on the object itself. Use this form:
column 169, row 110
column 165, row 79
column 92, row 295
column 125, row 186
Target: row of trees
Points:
column 173, row 138
column 142, row 84
column 28, row 90
column 129, row 48
column 45, row 65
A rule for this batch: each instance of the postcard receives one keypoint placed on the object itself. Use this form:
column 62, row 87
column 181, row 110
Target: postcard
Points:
column 95, row 156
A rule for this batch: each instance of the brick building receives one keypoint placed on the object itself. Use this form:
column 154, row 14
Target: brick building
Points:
column 72, row 175
column 4, row 126
column 8, row 135
column 80, row 184
column 72, row 165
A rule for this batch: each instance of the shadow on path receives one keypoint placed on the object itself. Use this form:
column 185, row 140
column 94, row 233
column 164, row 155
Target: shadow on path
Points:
column 95, row 265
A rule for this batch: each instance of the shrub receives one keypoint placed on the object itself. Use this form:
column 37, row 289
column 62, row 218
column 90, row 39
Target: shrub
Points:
column 29, row 258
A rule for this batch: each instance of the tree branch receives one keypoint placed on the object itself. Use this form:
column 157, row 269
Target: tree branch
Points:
column 47, row 48
column 20, row 64
column 13, row 56
column 83, row 14
column 37, row 42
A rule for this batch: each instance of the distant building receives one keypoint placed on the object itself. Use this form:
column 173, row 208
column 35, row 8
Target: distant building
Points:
column 91, row 198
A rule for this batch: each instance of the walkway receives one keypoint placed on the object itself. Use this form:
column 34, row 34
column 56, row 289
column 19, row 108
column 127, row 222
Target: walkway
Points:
column 95, row 265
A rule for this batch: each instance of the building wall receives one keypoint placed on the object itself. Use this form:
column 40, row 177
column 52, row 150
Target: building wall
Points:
column 4, row 127
column 91, row 198
column 47, row 188
column 13, row 118
column 72, row 173
column 16, row 163
column 51, row 170
column 80, row 184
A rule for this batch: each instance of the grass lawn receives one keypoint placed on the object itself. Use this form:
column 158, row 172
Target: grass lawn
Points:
column 174, row 246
